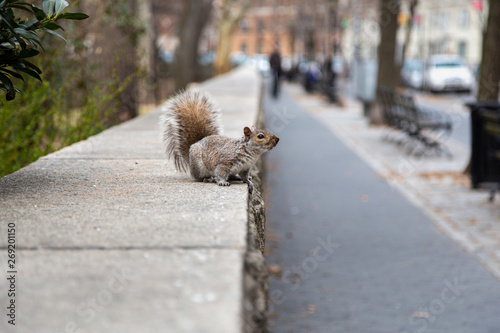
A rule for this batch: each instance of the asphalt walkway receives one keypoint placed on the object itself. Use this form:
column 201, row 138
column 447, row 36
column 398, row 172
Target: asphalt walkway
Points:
column 349, row 253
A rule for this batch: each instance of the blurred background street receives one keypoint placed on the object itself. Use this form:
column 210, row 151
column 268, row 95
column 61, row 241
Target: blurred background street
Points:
column 353, row 246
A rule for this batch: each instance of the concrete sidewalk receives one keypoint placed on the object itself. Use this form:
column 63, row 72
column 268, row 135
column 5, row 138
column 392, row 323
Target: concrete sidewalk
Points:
column 435, row 184
column 110, row 238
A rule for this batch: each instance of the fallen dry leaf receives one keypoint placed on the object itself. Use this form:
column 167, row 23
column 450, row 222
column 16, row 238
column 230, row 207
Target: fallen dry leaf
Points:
column 275, row 270
column 420, row 314
column 311, row 308
column 273, row 315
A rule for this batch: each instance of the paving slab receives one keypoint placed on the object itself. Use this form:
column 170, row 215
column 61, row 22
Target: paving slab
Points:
column 128, row 291
column 74, row 203
column 137, row 138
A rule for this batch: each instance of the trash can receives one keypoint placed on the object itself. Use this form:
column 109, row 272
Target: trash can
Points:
column 485, row 145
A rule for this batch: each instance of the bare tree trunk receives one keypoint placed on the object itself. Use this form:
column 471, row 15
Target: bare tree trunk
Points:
column 387, row 67
column 222, row 63
column 145, row 53
column 309, row 45
column 231, row 12
column 489, row 76
column 195, row 16
column 114, row 49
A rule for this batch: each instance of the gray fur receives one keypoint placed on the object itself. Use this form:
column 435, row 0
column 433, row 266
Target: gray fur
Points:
column 191, row 129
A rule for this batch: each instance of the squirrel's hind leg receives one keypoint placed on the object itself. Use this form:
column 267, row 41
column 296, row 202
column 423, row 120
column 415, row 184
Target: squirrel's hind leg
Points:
column 197, row 168
column 222, row 174
column 209, row 180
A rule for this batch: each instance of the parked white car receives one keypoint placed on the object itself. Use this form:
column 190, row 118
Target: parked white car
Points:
column 412, row 73
column 448, row 73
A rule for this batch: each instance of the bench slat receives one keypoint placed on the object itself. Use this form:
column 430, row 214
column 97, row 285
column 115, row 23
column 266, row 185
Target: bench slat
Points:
column 403, row 113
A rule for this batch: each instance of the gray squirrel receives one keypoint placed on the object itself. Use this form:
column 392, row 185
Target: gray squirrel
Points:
column 191, row 132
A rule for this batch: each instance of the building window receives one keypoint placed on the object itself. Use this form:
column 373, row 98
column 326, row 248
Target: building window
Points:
column 259, row 47
column 443, row 20
column 244, row 48
column 434, row 20
column 464, row 18
column 244, row 25
column 260, row 26
column 462, row 48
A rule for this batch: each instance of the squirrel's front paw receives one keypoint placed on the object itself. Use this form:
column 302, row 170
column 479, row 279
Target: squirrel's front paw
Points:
column 223, row 183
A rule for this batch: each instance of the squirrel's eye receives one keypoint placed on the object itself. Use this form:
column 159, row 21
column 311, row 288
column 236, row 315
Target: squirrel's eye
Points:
column 260, row 136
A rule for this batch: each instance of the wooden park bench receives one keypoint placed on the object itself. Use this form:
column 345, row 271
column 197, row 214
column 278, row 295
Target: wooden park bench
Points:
column 422, row 124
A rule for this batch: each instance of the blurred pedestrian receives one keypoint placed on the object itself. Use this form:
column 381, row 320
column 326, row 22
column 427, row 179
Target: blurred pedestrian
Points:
column 312, row 76
column 329, row 79
column 275, row 63
column 328, row 69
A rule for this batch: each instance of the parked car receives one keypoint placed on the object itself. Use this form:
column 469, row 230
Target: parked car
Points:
column 448, row 73
column 261, row 63
column 412, row 73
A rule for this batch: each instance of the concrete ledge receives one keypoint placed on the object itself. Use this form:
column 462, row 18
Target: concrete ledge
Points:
column 110, row 238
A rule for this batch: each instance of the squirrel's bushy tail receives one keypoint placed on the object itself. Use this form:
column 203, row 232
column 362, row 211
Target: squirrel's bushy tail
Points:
column 187, row 118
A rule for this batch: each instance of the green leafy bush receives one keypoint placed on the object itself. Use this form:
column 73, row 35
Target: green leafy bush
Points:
column 19, row 38
column 43, row 118
column 73, row 102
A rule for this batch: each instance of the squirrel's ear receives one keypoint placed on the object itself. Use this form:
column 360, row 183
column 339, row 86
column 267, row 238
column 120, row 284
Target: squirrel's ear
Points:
column 247, row 131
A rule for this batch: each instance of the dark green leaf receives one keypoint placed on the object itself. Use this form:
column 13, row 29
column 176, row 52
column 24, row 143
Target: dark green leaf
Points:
column 31, row 73
column 8, row 21
column 22, row 6
column 5, row 46
column 12, row 73
column 8, row 86
column 52, row 26
column 29, row 35
column 73, row 16
column 6, row 81
column 40, row 14
column 31, row 24
column 28, row 53
column 18, row 38
column 30, row 65
column 56, row 34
